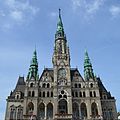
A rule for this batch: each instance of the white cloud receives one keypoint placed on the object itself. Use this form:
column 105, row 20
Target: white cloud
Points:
column 88, row 7
column 76, row 4
column 17, row 15
column 17, row 12
column 94, row 6
column 115, row 10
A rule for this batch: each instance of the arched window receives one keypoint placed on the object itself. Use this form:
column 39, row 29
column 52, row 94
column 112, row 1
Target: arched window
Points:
column 73, row 94
column 18, row 97
column 29, row 93
column 33, row 93
column 91, row 85
column 51, row 94
column 39, row 94
column 49, row 110
column 80, row 94
column 79, row 85
column 75, row 111
column 83, row 110
column 44, row 85
column 94, row 94
column 12, row 112
column 94, row 110
column 62, row 106
column 43, row 94
column 48, row 85
column 30, row 108
column 75, row 85
column 41, row 111
column 20, row 113
column 48, row 94
column 31, row 84
column 90, row 93
column 84, row 95
column 76, row 94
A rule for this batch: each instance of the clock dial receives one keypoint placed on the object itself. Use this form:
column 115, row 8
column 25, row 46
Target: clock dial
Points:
column 62, row 73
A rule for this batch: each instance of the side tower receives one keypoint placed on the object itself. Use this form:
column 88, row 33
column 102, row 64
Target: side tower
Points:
column 94, row 109
column 62, row 80
column 31, row 89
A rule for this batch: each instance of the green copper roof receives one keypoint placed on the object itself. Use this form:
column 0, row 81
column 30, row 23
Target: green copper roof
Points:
column 88, row 71
column 33, row 70
column 60, row 29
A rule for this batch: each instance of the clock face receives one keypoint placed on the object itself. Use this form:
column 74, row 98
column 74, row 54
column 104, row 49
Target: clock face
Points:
column 62, row 73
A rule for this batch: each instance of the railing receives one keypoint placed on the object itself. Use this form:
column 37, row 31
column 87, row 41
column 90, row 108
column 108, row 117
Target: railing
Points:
column 63, row 116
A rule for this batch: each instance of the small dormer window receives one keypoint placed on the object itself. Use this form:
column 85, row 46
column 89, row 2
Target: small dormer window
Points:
column 91, row 85
column 31, row 84
column 17, row 96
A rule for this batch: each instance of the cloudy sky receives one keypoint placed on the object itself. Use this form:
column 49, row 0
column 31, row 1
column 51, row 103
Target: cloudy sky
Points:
column 89, row 24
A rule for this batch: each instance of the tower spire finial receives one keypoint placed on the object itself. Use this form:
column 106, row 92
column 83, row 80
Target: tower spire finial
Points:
column 59, row 12
column 60, row 29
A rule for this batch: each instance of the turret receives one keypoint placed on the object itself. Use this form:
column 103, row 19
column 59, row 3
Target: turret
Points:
column 88, row 71
column 33, row 70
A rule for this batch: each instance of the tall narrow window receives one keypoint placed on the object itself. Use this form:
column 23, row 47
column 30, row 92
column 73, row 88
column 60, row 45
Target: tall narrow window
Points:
column 48, row 85
column 75, row 111
column 41, row 111
column 90, row 93
column 94, row 94
column 48, row 94
column 43, row 94
column 94, row 110
column 49, row 110
column 80, row 94
column 84, row 95
column 83, row 110
column 29, row 93
column 51, row 94
column 33, row 93
column 76, row 94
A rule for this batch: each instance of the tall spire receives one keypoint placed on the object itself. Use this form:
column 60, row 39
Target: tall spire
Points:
column 33, row 70
column 88, row 71
column 60, row 29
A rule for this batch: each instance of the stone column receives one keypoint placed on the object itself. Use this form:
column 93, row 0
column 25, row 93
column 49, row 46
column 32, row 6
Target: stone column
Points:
column 45, row 112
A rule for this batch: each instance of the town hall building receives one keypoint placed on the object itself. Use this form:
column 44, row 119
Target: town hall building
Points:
column 60, row 92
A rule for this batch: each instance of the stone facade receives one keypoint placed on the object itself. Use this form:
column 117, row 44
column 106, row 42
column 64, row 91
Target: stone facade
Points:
column 60, row 93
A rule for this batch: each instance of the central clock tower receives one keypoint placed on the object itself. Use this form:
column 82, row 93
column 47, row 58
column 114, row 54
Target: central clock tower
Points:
column 62, row 79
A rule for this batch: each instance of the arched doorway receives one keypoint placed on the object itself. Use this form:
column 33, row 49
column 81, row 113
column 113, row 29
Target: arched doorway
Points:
column 83, row 110
column 94, row 110
column 30, row 108
column 62, row 106
column 49, row 110
column 75, row 110
column 41, row 111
